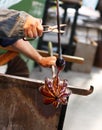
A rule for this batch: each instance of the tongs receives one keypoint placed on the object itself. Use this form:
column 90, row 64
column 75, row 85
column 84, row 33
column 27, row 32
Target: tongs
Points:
column 47, row 29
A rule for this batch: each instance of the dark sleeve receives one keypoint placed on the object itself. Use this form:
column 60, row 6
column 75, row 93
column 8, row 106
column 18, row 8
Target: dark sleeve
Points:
column 7, row 41
column 11, row 23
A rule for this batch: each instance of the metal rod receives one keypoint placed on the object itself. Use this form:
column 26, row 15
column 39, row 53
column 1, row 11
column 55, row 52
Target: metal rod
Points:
column 58, row 24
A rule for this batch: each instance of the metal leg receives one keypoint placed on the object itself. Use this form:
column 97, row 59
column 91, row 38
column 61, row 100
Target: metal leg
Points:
column 70, row 49
column 62, row 116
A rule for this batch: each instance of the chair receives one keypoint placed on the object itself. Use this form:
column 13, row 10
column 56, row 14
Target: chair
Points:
column 66, row 39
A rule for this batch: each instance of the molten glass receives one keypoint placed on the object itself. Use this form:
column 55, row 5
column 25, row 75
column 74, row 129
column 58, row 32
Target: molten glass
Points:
column 60, row 63
column 55, row 91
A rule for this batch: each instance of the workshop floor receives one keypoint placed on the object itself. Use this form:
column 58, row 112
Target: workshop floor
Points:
column 83, row 112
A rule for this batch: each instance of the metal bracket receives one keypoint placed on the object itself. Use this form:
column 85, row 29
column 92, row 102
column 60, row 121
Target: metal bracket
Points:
column 33, row 83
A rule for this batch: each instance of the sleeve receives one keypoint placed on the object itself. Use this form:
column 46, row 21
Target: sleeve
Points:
column 11, row 23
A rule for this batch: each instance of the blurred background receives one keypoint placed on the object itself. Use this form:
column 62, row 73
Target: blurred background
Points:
column 82, row 38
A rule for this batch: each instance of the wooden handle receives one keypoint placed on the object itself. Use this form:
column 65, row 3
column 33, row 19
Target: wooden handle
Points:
column 67, row 58
column 51, row 54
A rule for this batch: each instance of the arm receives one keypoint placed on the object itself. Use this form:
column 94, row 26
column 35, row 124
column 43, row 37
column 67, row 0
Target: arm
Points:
column 18, row 24
column 26, row 48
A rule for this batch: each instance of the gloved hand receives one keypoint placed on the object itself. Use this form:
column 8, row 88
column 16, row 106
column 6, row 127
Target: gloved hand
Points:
column 33, row 27
column 47, row 61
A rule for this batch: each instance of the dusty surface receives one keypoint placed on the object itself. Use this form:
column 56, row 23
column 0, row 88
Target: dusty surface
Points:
column 23, row 109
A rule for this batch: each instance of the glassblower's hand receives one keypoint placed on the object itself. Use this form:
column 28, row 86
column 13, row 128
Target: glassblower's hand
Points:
column 33, row 27
column 27, row 49
column 47, row 61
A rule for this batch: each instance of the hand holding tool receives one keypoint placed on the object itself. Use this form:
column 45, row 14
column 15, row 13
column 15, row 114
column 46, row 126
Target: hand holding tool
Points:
column 47, row 29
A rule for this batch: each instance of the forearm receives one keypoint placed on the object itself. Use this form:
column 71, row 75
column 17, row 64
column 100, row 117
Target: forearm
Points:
column 26, row 48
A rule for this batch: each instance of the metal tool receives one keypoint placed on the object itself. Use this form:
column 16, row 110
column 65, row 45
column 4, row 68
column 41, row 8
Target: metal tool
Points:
column 60, row 62
column 74, row 90
column 47, row 29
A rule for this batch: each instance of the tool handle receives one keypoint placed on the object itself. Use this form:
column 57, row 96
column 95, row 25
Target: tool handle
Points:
column 51, row 54
column 67, row 58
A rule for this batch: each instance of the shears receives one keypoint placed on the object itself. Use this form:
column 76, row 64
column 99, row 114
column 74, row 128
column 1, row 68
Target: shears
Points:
column 47, row 29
